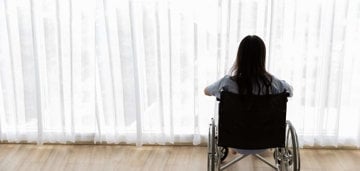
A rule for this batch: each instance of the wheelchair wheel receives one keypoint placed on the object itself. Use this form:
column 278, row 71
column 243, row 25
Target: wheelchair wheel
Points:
column 289, row 157
column 210, row 149
column 213, row 150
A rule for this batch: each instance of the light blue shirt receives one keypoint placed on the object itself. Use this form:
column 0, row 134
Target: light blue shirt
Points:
column 226, row 83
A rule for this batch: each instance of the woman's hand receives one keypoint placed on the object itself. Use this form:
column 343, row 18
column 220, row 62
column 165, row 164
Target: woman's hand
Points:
column 206, row 92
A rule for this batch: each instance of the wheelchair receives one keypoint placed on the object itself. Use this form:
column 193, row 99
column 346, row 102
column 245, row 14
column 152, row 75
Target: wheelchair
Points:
column 253, row 122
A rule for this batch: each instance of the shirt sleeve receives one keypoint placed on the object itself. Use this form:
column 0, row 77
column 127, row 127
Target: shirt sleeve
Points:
column 287, row 87
column 214, row 88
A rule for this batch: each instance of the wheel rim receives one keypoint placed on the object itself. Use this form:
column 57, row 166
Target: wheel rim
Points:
column 213, row 155
column 209, row 147
column 292, row 153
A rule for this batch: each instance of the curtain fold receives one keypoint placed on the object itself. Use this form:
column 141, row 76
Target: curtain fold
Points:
column 133, row 71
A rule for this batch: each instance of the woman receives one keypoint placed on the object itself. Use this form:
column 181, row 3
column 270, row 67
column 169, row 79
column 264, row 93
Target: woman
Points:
column 249, row 75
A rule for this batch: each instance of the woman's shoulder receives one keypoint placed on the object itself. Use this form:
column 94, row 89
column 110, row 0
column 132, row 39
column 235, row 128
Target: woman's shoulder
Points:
column 281, row 85
column 229, row 84
column 276, row 80
column 229, row 78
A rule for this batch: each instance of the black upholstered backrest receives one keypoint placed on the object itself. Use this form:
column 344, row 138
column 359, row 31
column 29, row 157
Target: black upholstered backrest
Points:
column 252, row 121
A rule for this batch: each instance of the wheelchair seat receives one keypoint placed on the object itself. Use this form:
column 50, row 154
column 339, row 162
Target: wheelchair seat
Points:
column 253, row 123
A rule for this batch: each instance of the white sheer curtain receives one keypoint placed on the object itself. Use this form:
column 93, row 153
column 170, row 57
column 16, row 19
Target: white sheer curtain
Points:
column 103, row 70
column 133, row 71
column 318, row 42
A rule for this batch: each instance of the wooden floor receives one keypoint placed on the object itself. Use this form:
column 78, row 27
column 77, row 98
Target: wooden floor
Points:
column 154, row 158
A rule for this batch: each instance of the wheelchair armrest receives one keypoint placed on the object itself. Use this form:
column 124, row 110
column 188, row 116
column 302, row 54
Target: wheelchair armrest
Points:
column 286, row 93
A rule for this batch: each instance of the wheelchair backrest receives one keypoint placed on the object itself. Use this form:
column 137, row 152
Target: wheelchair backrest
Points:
column 252, row 121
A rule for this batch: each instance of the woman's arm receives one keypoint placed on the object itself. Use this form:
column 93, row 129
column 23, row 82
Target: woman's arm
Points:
column 214, row 88
column 206, row 92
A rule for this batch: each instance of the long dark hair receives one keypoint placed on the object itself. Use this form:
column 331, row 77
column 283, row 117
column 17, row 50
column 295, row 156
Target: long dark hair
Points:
column 249, row 67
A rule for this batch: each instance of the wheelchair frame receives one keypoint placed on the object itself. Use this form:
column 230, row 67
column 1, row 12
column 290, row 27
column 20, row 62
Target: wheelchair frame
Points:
column 286, row 157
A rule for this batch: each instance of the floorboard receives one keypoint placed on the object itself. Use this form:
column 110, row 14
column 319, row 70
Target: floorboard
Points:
column 153, row 158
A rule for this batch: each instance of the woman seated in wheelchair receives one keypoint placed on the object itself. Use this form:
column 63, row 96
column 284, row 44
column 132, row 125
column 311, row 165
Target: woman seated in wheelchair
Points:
column 249, row 76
